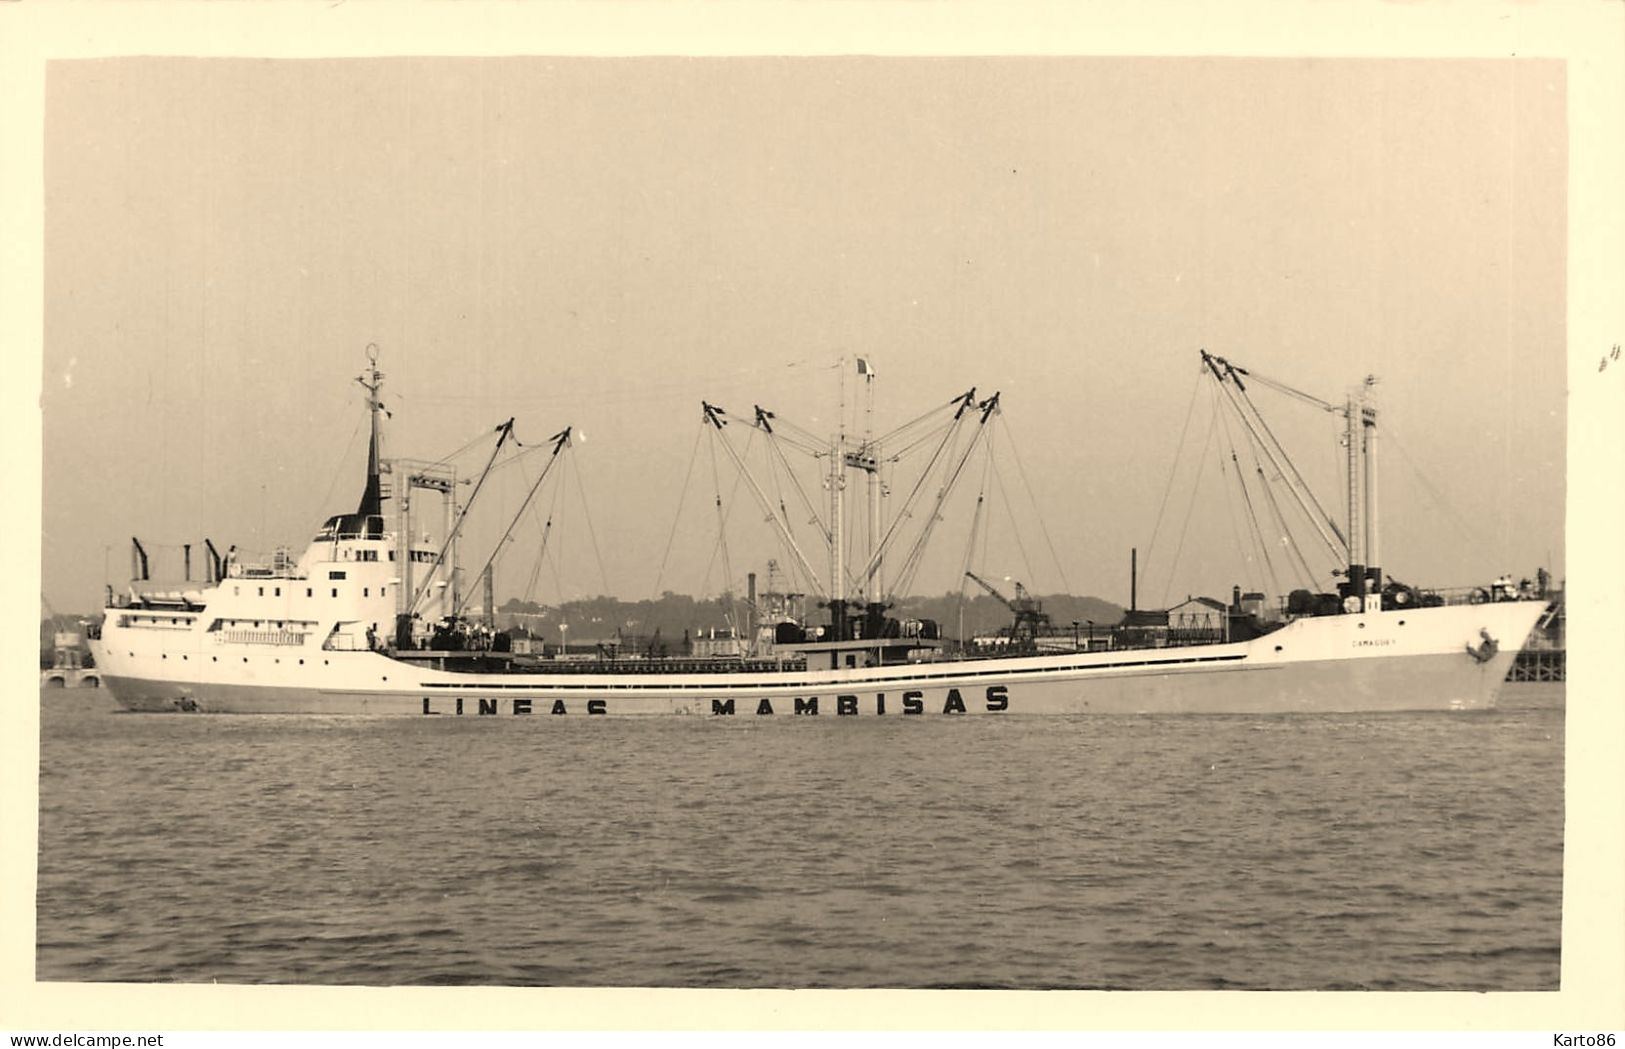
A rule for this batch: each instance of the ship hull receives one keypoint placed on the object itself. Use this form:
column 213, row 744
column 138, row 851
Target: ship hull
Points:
column 1420, row 659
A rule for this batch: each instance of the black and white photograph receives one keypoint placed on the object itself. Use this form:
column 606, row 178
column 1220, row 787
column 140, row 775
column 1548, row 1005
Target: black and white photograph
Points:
column 952, row 520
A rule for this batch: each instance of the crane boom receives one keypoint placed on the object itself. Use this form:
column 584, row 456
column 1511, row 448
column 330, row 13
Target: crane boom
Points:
column 990, row 588
column 1031, row 620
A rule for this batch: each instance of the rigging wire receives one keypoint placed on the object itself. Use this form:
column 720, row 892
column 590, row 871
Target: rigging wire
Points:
column 850, row 531
column 826, row 536
column 1196, row 485
column 775, row 460
column 1179, row 448
column 970, row 558
column 536, row 568
column 714, row 417
column 504, row 433
column 592, row 533
column 520, row 454
column 682, row 499
column 988, row 478
column 1003, row 493
column 1015, row 533
column 1308, row 398
column 463, row 450
column 1294, row 548
column 558, row 581
column 722, row 527
column 906, row 510
column 911, row 564
column 920, row 441
column 1289, row 464
column 1257, row 531
column 1243, row 553
column 970, row 547
column 722, row 520
column 1287, row 538
column 808, row 444
column 1468, row 532
column 560, row 442
column 1021, row 469
column 546, row 529
column 338, row 469
column 898, row 432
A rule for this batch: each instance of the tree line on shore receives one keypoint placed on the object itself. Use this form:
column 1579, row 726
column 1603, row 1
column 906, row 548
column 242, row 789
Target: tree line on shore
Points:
column 672, row 615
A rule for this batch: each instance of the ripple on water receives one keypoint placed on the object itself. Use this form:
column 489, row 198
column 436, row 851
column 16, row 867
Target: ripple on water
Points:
column 1114, row 853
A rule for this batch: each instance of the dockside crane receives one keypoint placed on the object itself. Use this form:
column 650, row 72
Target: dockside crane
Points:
column 1031, row 618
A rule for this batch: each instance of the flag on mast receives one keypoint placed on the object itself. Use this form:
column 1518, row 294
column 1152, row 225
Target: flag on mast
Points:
column 864, row 369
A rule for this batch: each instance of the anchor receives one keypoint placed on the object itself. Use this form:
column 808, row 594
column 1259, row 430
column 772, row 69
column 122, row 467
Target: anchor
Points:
column 1484, row 652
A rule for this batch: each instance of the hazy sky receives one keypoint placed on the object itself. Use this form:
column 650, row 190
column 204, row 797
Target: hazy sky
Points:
column 605, row 242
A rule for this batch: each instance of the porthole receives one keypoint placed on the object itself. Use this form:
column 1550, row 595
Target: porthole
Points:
column 1277, row 648
column 1401, row 622
column 1361, row 625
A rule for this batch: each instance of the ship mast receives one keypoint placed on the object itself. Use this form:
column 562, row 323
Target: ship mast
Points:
column 1362, row 556
column 372, row 501
column 1365, row 575
column 843, row 455
column 837, row 534
column 1357, row 518
column 865, row 457
column 868, row 460
column 1368, row 435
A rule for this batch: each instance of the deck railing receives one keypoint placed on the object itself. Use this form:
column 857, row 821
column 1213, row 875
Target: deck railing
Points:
column 261, row 637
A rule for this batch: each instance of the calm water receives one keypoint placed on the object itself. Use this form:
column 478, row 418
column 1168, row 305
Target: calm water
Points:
column 1383, row 852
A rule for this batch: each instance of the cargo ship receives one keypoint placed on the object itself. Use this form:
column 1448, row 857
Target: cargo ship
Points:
column 368, row 621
